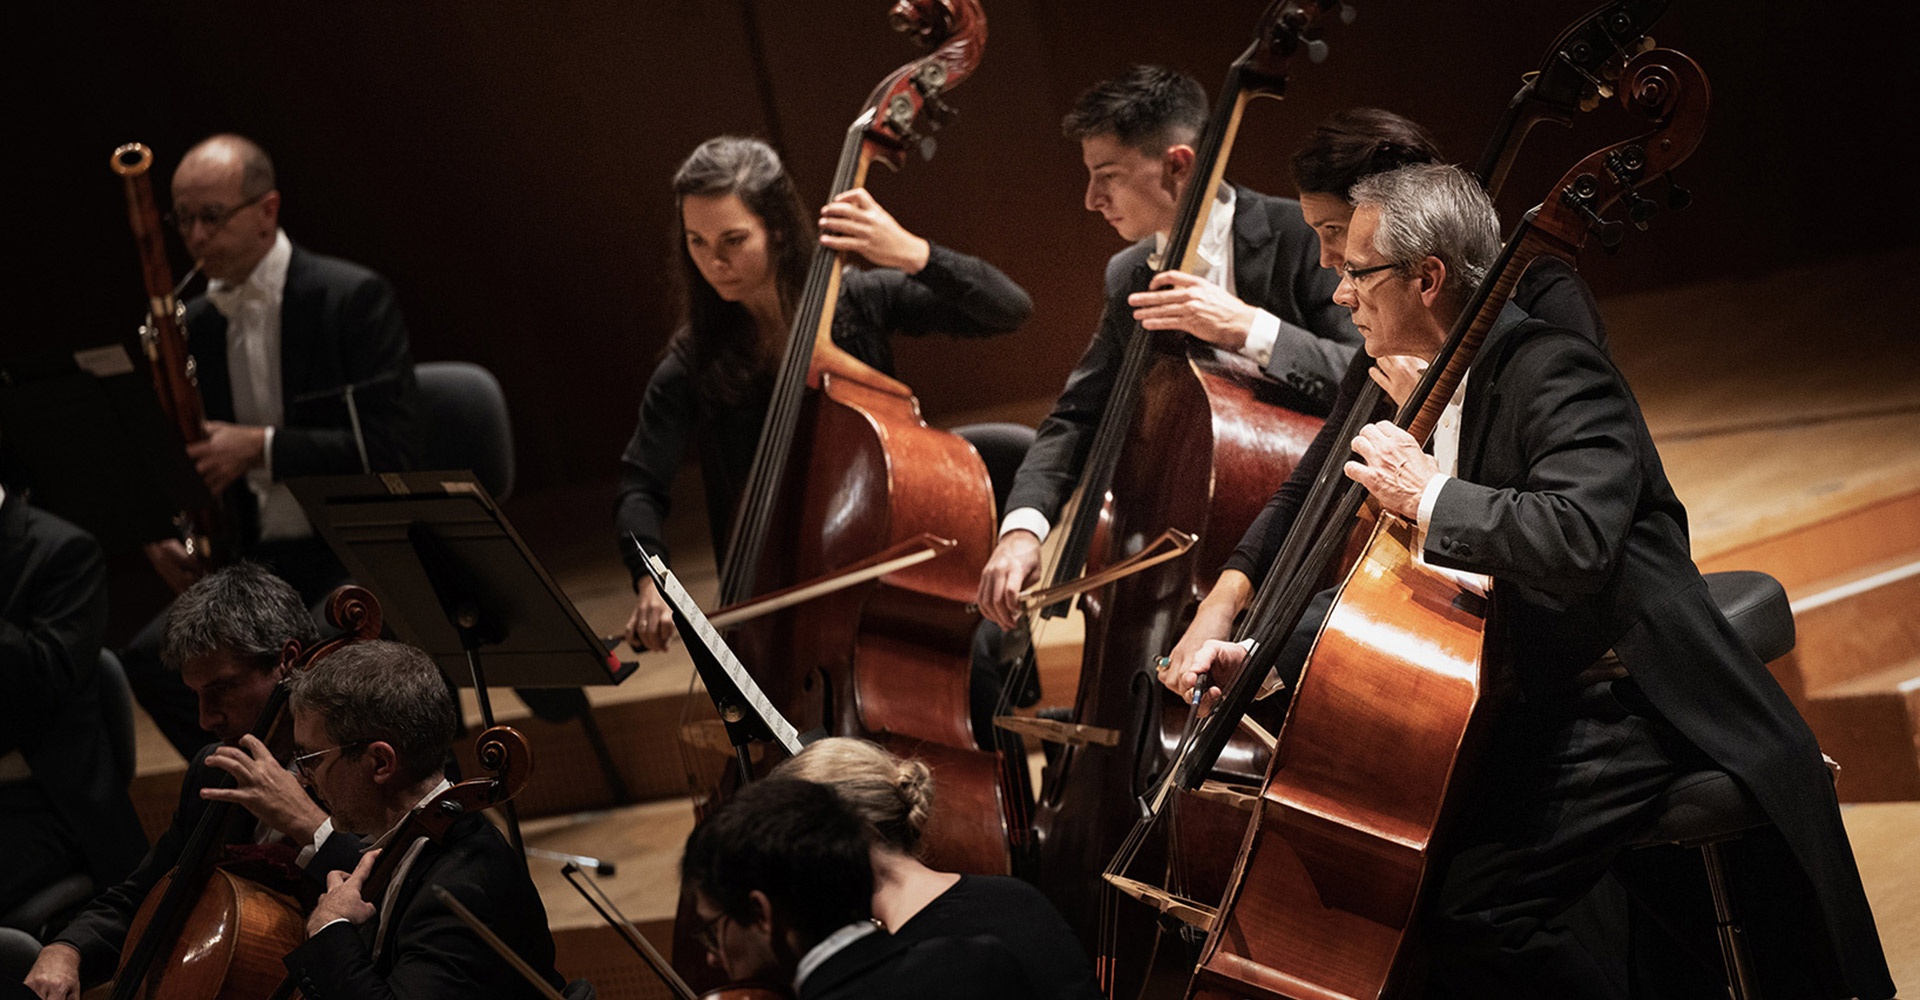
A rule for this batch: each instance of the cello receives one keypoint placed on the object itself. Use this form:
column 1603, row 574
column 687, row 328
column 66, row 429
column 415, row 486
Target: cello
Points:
column 1194, row 439
column 845, row 469
column 1393, row 700
column 207, row 932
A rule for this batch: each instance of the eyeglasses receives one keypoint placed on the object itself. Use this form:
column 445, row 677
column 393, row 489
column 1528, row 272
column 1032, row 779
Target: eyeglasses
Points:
column 1354, row 274
column 303, row 766
column 709, row 934
column 212, row 218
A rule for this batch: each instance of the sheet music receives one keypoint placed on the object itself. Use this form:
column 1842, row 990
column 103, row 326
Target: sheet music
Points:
column 683, row 604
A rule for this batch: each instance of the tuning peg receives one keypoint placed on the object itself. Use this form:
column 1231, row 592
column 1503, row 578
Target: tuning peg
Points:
column 1639, row 210
column 1347, row 11
column 1677, row 196
column 927, row 145
column 1609, row 232
column 1316, row 51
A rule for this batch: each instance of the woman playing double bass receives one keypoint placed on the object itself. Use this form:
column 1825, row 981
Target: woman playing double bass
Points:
column 745, row 244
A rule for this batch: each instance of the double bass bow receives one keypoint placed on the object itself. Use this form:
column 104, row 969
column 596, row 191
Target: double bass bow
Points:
column 205, row 933
column 208, row 533
column 846, row 469
column 1391, row 703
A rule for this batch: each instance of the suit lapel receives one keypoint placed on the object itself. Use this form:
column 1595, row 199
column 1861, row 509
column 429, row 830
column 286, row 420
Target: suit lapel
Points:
column 1253, row 248
column 1484, row 394
column 300, row 317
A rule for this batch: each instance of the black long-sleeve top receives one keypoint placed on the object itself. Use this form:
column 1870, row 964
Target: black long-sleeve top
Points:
column 954, row 294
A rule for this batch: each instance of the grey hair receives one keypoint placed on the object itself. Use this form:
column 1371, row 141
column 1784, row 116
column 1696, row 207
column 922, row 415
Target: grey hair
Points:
column 1433, row 210
column 241, row 610
column 385, row 691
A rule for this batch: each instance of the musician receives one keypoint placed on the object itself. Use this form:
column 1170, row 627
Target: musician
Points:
column 279, row 337
column 63, row 805
column 1263, row 295
column 1629, row 675
column 744, row 248
column 1348, row 146
column 893, row 797
column 783, row 887
column 230, row 636
column 372, row 724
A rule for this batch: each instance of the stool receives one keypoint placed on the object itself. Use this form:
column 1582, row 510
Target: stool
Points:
column 1704, row 809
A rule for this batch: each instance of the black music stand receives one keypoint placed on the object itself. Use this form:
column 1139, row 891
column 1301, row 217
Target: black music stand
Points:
column 743, row 707
column 93, row 446
column 453, row 577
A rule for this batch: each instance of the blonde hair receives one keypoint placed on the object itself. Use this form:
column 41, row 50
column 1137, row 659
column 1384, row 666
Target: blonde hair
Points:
column 893, row 795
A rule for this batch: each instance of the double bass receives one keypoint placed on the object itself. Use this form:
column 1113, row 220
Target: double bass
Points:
column 1193, row 439
column 846, row 469
column 1579, row 71
column 206, row 932
column 1394, row 698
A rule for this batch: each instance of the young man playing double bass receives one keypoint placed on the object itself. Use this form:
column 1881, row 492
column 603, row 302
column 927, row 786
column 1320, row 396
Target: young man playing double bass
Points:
column 230, row 637
column 1546, row 479
column 1263, row 294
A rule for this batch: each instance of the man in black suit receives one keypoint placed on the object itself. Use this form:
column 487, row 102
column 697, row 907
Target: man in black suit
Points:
column 1264, row 295
column 282, row 338
column 783, row 886
column 372, row 724
column 63, row 805
column 232, row 636
column 1546, row 479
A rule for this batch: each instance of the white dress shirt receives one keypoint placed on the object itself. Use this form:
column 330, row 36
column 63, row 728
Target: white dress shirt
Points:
column 252, row 309
column 1215, row 264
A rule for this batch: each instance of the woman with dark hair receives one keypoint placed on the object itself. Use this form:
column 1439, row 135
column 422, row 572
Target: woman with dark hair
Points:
column 744, row 248
column 1348, row 146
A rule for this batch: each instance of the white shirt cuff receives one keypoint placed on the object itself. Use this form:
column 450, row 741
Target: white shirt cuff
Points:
column 320, row 835
column 266, row 454
column 330, row 923
column 1260, row 339
column 1429, row 498
column 1028, row 518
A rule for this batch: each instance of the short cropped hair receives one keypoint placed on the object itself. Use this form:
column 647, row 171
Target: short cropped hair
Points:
column 1148, row 108
column 892, row 795
column 241, row 610
column 793, row 840
column 385, row 691
column 1434, row 210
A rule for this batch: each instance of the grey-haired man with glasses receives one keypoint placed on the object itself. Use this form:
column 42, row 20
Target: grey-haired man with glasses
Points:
column 232, row 638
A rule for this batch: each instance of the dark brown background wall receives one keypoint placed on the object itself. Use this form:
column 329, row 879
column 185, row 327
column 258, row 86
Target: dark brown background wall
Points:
column 505, row 162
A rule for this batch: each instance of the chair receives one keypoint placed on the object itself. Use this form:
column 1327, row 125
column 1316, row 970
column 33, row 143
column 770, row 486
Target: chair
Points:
column 465, row 423
column 1706, row 809
column 1002, row 446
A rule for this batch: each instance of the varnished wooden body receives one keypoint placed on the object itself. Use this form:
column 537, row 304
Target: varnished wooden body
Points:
column 1329, row 880
column 236, row 934
column 1209, row 444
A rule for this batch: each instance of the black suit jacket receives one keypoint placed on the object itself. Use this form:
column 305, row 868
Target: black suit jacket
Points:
column 427, row 951
column 339, row 326
column 1276, row 266
column 883, row 967
column 1563, row 500
column 100, row 931
column 53, row 614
